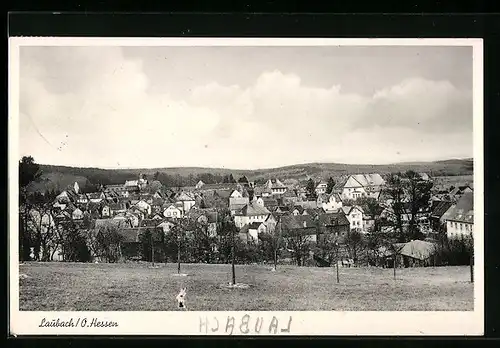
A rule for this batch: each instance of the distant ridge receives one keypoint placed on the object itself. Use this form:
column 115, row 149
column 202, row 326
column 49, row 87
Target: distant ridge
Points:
column 58, row 177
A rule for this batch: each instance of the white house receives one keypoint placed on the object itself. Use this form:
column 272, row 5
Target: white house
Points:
column 172, row 211
column 76, row 187
column 362, row 185
column 460, row 217
column 166, row 226
column 355, row 216
column 250, row 213
column 77, row 214
column 106, row 211
column 334, row 203
column 251, row 231
column 186, row 200
column 82, row 198
column 200, row 184
column 321, row 188
column 275, row 186
column 144, row 206
column 128, row 216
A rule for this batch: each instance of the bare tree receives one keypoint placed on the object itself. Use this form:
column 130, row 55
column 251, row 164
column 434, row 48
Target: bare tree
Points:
column 227, row 230
column 354, row 243
column 41, row 223
column 300, row 244
column 273, row 240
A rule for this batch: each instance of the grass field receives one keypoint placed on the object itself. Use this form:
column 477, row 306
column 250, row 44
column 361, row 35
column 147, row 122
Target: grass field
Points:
column 139, row 287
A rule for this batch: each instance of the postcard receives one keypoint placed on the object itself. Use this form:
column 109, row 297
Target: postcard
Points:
column 246, row 186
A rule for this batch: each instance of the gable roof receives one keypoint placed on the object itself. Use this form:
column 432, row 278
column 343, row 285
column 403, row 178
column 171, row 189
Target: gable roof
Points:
column 463, row 211
column 225, row 193
column 253, row 209
column 185, row 196
column 440, row 208
column 365, row 180
column 291, row 222
column 336, row 196
column 349, row 208
column 129, row 183
column 274, row 183
column 117, row 223
column 418, row 249
column 254, row 225
column 333, row 219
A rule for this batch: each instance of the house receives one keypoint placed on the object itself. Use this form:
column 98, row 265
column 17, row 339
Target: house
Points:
column 290, row 197
column 439, row 208
column 335, row 223
column 82, row 198
column 144, row 207
column 199, row 185
column 460, row 217
column 173, row 211
column 67, row 196
column 250, row 213
column 128, row 216
column 269, row 224
column 205, row 217
column 417, row 253
column 321, row 188
column 166, row 226
column 132, row 186
column 237, row 200
column 96, row 197
column 425, row 176
column 360, row 185
column 276, row 186
column 187, row 201
column 244, row 181
column 106, row 211
column 157, row 217
column 355, row 216
column 282, row 210
column 297, row 210
column 250, row 232
column 59, row 205
column 333, row 203
column 459, row 191
column 321, row 199
column 117, row 208
column 299, row 226
column 77, row 214
column 269, row 202
column 120, row 190
column 113, row 223
column 308, row 204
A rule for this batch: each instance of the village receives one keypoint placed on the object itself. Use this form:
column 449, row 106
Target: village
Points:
column 353, row 220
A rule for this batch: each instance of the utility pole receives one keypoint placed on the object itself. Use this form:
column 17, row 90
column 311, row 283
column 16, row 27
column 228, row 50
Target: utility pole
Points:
column 337, row 261
column 472, row 260
column 232, row 261
column 152, row 250
column 179, row 247
column 395, row 262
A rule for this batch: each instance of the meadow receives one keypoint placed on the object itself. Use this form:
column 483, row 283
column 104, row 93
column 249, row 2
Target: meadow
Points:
column 140, row 287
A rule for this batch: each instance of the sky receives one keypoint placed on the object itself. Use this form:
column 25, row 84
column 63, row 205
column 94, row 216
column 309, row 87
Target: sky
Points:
column 244, row 107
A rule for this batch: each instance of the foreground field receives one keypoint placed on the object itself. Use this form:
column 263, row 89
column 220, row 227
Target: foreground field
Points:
column 139, row 287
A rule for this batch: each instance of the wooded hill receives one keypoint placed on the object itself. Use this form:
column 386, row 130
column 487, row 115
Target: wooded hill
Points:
column 59, row 177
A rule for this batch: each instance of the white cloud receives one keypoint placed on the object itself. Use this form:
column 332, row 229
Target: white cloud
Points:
column 93, row 108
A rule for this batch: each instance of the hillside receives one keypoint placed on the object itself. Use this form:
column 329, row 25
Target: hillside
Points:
column 58, row 177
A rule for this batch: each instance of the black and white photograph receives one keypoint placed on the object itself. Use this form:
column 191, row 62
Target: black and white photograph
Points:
column 256, row 177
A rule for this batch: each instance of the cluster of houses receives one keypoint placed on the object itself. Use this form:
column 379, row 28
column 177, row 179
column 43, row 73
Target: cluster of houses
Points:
column 133, row 206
